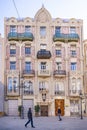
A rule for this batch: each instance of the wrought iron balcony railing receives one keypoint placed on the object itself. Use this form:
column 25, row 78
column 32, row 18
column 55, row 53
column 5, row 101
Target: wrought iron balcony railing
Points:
column 43, row 54
column 59, row 73
column 29, row 72
column 26, row 36
column 65, row 37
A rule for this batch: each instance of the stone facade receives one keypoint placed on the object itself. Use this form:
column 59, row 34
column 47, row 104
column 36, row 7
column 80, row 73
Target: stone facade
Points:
column 47, row 54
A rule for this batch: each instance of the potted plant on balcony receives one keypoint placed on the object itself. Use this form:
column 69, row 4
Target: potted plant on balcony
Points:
column 37, row 109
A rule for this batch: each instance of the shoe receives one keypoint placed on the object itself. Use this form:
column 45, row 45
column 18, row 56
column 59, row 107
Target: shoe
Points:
column 26, row 126
column 33, row 126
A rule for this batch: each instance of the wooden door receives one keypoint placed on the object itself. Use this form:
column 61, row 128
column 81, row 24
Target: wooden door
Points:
column 59, row 103
column 44, row 110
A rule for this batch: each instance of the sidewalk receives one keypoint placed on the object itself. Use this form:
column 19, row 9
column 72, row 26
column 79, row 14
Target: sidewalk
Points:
column 44, row 123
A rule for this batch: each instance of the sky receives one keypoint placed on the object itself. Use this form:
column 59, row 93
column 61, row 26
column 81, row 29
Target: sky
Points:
column 57, row 8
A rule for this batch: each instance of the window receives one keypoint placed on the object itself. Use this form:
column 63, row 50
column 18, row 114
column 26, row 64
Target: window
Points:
column 72, row 30
column 28, row 87
column 27, row 66
column 59, row 88
column 12, row 51
column 73, row 89
column 9, row 84
column 43, row 31
column 57, row 29
column 12, row 28
column 58, row 52
column 13, row 84
column 73, row 52
column 43, row 65
column 73, row 66
column 27, row 50
column 42, row 85
column 27, row 28
column 12, row 65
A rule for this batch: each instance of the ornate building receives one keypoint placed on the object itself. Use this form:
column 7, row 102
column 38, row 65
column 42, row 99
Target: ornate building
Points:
column 1, row 75
column 85, row 74
column 44, row 64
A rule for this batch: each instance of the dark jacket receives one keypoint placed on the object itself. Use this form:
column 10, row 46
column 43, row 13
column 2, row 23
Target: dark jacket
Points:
column 59, row 111
column 29, row 114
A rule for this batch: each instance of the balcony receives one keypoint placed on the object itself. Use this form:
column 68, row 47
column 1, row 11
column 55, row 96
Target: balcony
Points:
column 66, row 37
column 44, row 73
column 59, row 73
column 43, row 54
column 26, row 36
column 29, row 73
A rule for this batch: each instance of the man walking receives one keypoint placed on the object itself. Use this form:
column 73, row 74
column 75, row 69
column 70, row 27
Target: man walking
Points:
column 59, row 113
column 30, row 118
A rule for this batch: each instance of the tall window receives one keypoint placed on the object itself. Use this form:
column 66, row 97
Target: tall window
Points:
column 9, row 84
column 43, row 31
column 57, row 29
column 43, row 66
column 27, row 28
column 73, row 85
column 59, row 87
column 72, row 30
column 73, row 66
column 28, row 50
column 27, row 66
column 58, row 52
column 12, row 65
column 13, row 28
column 12, row 84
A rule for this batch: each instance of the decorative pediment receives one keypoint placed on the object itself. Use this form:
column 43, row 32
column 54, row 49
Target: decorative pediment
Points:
column 42, row 15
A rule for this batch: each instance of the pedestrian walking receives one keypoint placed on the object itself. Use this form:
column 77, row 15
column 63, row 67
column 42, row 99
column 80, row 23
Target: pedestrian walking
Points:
column 59, row 114
column 30, row 118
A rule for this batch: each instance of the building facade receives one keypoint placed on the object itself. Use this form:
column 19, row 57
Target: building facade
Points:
column 1, row 75
column 44, row 64
column 85, row 74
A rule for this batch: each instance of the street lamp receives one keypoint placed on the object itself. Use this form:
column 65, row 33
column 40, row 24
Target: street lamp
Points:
column 22, row 108
column 81, row 104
